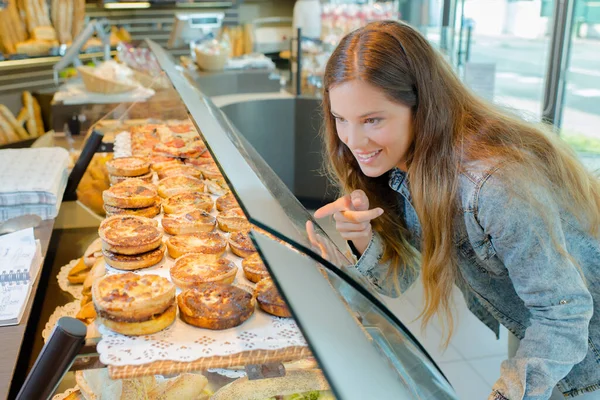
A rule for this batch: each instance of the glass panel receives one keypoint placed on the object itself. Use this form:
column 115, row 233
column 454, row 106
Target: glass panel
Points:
column 417, row 371
column 505, row 42
column 581, row 102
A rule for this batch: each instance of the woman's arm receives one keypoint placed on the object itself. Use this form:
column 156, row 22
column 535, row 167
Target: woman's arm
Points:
column 546, row 280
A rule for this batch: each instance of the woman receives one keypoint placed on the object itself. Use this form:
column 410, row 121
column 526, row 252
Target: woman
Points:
column 438, row 182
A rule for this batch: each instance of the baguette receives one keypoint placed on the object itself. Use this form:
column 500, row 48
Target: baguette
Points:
column 78, row 17
column 20, row 33
column 68, row 21
column 14, row 124
column 22, row 116
column 3, row 137
column 8, row 131
column 30, row 121
column 44, row 33
column 37, row 114
column 6, row 33
column 45, row 13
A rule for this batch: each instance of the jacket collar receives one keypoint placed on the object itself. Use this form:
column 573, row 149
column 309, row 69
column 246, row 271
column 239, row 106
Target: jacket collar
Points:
column 398, row 182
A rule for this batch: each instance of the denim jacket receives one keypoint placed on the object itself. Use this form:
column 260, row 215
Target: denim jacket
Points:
column 511, row 273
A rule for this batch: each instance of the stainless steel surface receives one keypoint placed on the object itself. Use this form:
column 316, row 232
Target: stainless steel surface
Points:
column 556, row 73
column 359, row 373
column 19, row 223
column 234, row 82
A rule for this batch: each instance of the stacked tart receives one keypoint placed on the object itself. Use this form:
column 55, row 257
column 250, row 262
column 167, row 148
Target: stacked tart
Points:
column 132, row 197
column 133, row 304
column 121, row 169
column 130, row 242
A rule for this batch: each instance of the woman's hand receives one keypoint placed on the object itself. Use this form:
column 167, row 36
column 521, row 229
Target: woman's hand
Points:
column 352, row 218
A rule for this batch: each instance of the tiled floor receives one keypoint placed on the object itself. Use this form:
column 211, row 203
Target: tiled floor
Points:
column 472, row 360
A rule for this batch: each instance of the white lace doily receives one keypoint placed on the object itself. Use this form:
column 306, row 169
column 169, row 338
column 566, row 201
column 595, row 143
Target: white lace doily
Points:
column 63, row 281
column 68, row 310
column 62, row 396
column 122, row 145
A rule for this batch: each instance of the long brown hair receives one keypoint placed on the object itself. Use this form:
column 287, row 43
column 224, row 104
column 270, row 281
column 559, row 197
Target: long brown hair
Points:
column 451, row 126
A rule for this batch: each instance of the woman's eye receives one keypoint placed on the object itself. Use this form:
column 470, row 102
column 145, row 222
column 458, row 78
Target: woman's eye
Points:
column 339, row 119
column 372, row 121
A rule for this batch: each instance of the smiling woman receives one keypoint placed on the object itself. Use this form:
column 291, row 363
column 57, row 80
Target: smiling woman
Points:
column 438, row 182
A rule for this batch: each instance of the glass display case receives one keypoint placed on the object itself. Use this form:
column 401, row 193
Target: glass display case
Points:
column 339, row 342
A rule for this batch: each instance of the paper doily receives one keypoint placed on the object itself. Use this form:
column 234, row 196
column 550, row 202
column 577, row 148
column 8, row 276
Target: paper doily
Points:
column 63, row 281
column 68, row 310
column 62, row 396
column 122, row 145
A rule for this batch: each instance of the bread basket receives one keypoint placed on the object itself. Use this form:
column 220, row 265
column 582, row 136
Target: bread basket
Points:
column 98, row 84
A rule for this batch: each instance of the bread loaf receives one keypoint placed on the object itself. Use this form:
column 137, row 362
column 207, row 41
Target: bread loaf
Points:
column 78, row 17
column 12, row 121
column 44, row 33
column 35, row 47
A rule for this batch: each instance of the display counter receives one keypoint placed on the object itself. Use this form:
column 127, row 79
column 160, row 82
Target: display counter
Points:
column 338, row 335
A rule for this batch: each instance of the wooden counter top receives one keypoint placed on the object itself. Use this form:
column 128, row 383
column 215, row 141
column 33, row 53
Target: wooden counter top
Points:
column 12, row 336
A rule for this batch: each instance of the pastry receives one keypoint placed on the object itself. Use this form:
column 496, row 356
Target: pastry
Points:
column 216, row 186
column 216, row 306
column 210, row 244
column 114, row 179
column 93, row 251
column 190, row 222
column 87, row 313
column 134, row 262
column 179, row 184
column 148, row 212
column 188, row 201
column 128, row 166
column 254, row 268
column 233, row 220
column 269, row 298
column 131, row 193
column 227, row 202
column 97, row 271
column 129, row 234
column 182, row 127
column 181, row 148
column 133, row 304
column 210, row 171
column 78, row 273
column 187, row 170
column 200, row 161
column 182, row 387
column 241, row 244
column 158, row 162
column 190, row 271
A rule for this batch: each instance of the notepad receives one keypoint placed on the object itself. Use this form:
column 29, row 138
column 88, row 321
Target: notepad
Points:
column 20, row 262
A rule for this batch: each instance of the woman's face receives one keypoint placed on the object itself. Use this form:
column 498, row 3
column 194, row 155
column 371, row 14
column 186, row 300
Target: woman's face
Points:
column 377, row 131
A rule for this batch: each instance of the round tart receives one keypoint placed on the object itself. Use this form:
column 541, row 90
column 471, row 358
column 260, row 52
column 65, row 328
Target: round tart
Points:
column 227, row 202
column 216, row 186
column 190, row 222
column 131, row 193
column 269, row 298
column 210, row 245
column 241, row 244
column 216, row 306
column 148, row 212
column 188, row 170
column 128, row 166
column 233, row 220
column 158, row 163
column 153, row 324
column 129, row 234
column 200, row 161
column 114, row 179
column 210, row 171
column 254, row 268
column 188, row 201
column 130, row 297
column 182, row 128
column 190, row 271
column 134, row 262
column 179, row 184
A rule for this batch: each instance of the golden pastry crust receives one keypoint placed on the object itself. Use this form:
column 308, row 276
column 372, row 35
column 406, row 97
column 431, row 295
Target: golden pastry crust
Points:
column 227, row 202
column 188, row 170
column 233, row 220
column 179, row 184
column 200, row 161
column 211, row 171
column 190, row 271
column 131, row 193
column 211, row 245
column 129, row 297
column 128, row 166
column 129, row 234
column 134, row 262
column 189, row 201
column 115, row 179
column 216, row 306
column 93, row 251
column 217, row 186
column 241, row 244
column 154, row 324
column 190, row 222
column 78, row 273
column 254, row 268
column 97, row 272
column 148, row 212
column 158, row 163
column 270, row 300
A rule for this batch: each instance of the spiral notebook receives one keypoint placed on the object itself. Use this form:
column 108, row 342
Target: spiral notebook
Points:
column 20, row 262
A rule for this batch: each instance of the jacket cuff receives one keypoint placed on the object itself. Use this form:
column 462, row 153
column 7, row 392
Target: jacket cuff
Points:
column 496, row 395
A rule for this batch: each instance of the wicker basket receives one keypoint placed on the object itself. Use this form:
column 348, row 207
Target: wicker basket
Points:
column 98, row 84
column 211, row 62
